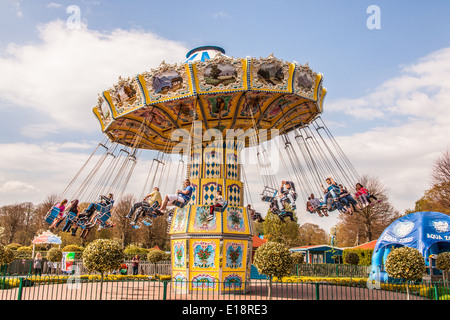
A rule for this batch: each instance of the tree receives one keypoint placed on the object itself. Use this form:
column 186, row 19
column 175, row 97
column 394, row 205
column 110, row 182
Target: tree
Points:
column 122, row 228
column 405, row 263
column 443, row 264
column 6, row 257
column 285, row 232
column 54, row 255
column 437, row 198
column 309, row 234
column 368, row 223
column 155, row 256
column 273, row 260
column 103, row 255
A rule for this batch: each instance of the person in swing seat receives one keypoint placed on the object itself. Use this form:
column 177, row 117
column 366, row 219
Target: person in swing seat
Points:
column 182, row 196
column 155, row 198
column 286, row 193
column 218, row 202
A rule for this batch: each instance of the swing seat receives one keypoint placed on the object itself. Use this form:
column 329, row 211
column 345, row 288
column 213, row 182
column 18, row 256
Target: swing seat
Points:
column 103, row 208
column 221, row 208
column 51, row 215
column 71, row 216
column 148, row 210
column 179, row 204
column 136, row 226
column 82, row 223
column 147, row 222
column 268, row 194
column 103, row 218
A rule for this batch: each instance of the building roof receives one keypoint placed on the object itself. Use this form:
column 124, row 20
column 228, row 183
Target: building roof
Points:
column 257, row 241
column 367, row 245
column 314, row 247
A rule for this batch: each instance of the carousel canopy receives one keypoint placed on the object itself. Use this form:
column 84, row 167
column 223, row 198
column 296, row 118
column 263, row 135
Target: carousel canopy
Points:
column 219, row 91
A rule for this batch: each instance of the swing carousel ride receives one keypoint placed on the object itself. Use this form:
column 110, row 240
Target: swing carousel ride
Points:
column 210, row 90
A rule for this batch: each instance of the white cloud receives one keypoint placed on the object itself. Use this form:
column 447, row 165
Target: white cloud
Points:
column 15, row 186
column 16, row 7
column 53, row 5
column 61, row 76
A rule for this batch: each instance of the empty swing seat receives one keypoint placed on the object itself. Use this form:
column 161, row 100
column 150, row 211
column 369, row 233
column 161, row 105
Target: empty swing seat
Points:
column 136, row 226
column 268, row 194
column 147, row 222
column 51, row 215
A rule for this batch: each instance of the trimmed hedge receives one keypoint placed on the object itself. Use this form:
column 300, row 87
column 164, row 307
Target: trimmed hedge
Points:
column 365, row 255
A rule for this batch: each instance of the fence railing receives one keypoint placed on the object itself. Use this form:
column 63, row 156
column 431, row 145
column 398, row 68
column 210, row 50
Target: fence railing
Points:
column 115, row 287
column 331, row 270
column 25, row 267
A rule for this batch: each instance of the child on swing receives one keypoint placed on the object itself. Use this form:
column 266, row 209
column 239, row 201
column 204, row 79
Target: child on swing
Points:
column 363, row 195
column 218, row 202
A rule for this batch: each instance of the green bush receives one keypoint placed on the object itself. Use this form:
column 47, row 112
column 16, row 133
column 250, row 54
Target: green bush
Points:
column 24, row 249
column 54, row 255
column 6, row 255
column 134, row 250
column 72, row 248
column 274, row 260
column 351, row 258
column 405, row 262
column 297, row 258
column 103, row 255
column 443, row 261
column 13, row 246
column 365, row 255
column 155, row 256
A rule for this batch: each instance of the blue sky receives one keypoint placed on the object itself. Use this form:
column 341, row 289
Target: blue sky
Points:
column 374, row 78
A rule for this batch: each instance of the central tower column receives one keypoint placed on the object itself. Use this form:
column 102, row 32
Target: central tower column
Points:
column 212, row 254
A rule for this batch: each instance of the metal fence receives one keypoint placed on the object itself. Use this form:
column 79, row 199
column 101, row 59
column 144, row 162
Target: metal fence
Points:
column 25, row 267
column 115, row 287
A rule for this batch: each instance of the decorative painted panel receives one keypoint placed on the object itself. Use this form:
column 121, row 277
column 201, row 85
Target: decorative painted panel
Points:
column 232, row 166
column 234, row 193
column 204, row 281
column 178, row 254
column 180, row 280
column 209, row 189
column 204, row 254
column 234, row 255
column 199, row 222
column 212, row 164
column 180, row 220
column 195, row 166
column 235, row 220
column 233, row 281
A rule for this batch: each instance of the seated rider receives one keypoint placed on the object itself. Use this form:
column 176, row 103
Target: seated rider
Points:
column 347, row 200
column 254, row 215
column 332, row 190
column 182, row 196
column 363, row 195
column 155, row 197
column 62, row 207
column 287, row 193
column 218, row 202
column 91, row 213
column 313, row 205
